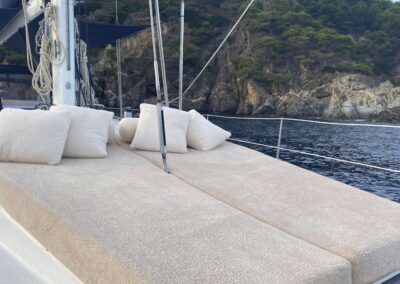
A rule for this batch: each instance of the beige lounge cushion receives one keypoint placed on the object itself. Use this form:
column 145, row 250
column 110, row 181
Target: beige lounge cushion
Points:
column 111, row 134
column 122, row 220
column 147, row 131
column 33, row 136
column 127, row 128
column 346, row 221
column 203, row 134
column 88, row 133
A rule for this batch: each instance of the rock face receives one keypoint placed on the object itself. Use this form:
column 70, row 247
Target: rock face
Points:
column 344, row 97
column 255, row 100
column 354, row 96
column 334, row 96
column 219, row 90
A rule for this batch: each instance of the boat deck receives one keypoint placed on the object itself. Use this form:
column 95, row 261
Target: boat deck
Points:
column 24, row 260
column 356, row 225
column 122, row 220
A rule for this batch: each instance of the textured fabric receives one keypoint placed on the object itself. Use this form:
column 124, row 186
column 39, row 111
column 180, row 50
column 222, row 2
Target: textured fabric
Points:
column 203, row 134
column 351, row 223
column 176, row 125
column 88, row 133
column 33, row 136
column 122, row 220
column 111, row 134
column 127, row 128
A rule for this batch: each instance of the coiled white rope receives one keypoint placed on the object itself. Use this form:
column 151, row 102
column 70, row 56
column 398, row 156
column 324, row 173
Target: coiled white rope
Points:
column 29, row 57
column 50, row 49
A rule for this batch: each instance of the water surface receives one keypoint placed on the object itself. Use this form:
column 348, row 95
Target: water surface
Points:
column 370, row 145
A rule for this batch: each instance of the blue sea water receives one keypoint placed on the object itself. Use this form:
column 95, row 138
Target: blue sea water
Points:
column 370, row 145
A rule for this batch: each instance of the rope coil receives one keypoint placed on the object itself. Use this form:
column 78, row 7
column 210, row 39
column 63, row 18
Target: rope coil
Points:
column 48, row 46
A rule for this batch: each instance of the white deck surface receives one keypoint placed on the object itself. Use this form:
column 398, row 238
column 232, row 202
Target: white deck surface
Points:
column 24, row 260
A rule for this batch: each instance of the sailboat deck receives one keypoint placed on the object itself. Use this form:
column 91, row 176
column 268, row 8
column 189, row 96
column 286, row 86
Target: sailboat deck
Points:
column 122, row 220
column 356, row 225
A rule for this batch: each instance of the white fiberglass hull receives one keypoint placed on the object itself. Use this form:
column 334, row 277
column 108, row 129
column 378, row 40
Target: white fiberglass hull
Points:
column 24, row 260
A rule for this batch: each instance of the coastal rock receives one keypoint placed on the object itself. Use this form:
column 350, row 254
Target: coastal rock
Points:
column 360, row 97
column 345, row 96
column 255, row 100
column 286, row 89
column 223, row 96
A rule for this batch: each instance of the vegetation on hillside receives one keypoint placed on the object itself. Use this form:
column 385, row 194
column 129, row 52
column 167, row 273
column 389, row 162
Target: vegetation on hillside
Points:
column 277, row 41
column 8, row 56
column 359, row 36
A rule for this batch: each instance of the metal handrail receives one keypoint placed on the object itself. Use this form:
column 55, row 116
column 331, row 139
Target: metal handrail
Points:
column 305, row 120
column 279, row 148
column 117, row 108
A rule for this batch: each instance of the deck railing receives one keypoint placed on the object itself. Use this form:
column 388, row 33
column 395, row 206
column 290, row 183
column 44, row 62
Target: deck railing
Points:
column 279, row 147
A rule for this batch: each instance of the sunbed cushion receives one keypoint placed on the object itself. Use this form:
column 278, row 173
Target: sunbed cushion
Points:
column 351, row 223
column 203, row 134
column 147, row 131
column 122, row 220
column 111, row 134
column 88, row 133
column 33, row 136
column 127, row 128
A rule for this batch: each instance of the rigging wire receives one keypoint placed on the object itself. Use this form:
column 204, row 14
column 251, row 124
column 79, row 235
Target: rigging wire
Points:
column 181, row 50
column 86, row 93
column 160, row 106
column 302, row 152
column 119, row 68
column 161, row 51
column 93, row 94
column 78, row 51
column 217, row 50
column 316, row 155
column 29, row 57
column 306, row 120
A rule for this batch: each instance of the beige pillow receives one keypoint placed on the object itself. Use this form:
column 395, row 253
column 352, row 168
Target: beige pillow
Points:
column 203, row 134
column 176, row 124
column 127, row 128
column 33, row 136
column 88, row 133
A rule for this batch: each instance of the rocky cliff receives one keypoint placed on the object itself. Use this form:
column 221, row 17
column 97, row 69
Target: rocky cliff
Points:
column 333, row 96
column 296, row 67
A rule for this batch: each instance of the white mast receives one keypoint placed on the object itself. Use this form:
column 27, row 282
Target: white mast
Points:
column 119, row 70
column 181, row 54
column 64, row 73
